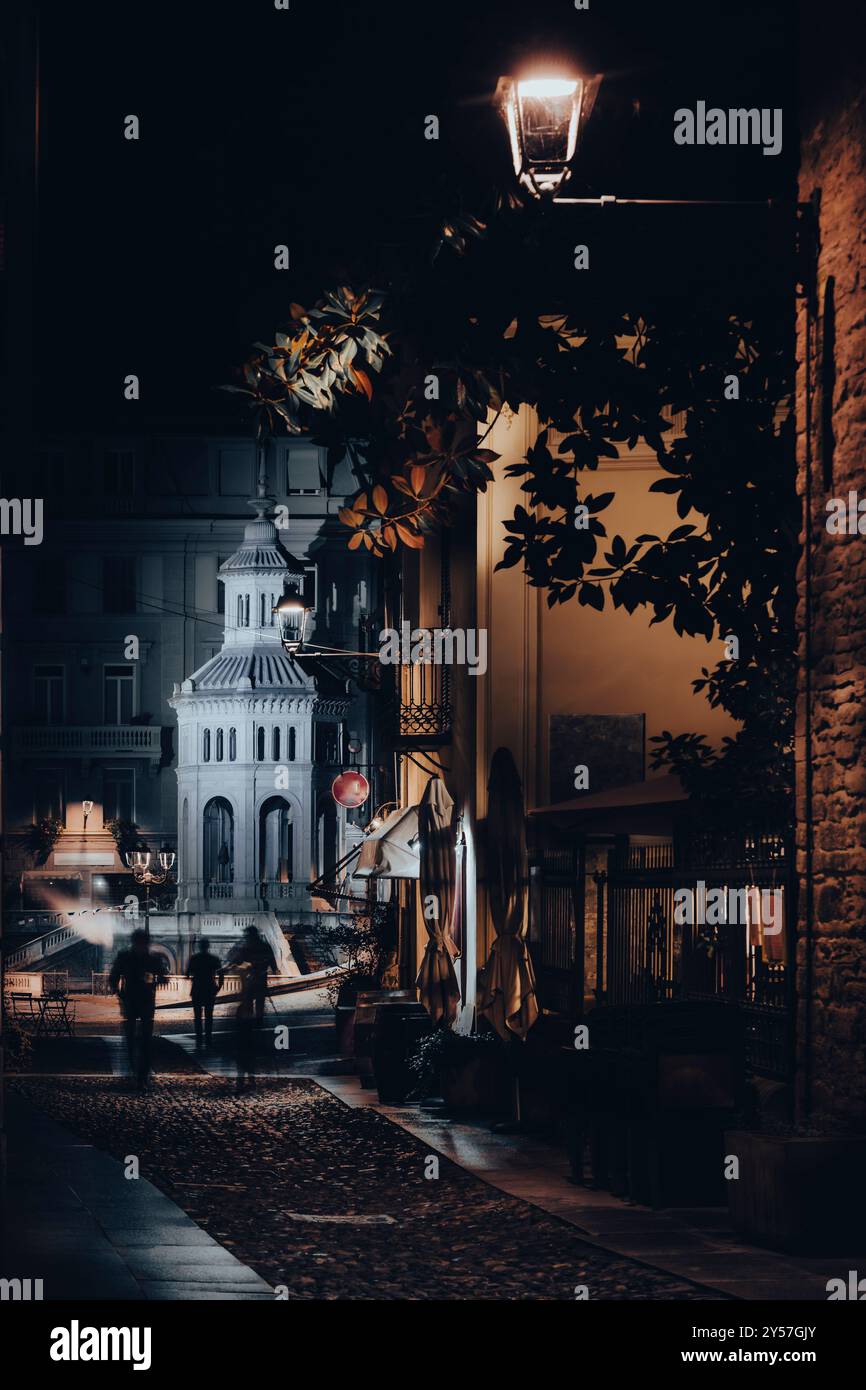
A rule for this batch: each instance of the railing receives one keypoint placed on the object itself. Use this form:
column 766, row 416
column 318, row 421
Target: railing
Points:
column 177, row 988
column 425, row 701
column 144, row 739
column 43, row 946
column 646, row 954
column 219, row 890
column 16, row 919
column 271, row 888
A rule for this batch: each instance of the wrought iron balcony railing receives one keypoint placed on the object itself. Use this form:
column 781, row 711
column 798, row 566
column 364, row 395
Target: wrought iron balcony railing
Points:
column 423, row 703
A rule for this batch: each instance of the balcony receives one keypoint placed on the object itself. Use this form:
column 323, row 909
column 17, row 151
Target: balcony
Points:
column 89, row 741
column 421, row 702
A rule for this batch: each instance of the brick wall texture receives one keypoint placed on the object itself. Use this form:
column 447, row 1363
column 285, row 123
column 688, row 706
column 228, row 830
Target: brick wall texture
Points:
column 831, row 351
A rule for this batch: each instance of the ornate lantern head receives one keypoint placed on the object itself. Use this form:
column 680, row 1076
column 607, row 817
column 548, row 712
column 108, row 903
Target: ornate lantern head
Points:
column 291, row 618
column 543, row 116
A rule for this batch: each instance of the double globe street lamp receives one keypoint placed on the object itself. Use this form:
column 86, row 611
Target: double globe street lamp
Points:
column 147, row 873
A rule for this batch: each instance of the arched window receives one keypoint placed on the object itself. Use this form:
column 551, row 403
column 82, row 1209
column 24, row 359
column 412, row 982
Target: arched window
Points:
column 275, row 740
column 219, row 841
column 246, row 610
column 276, row 841
column 205, row 746
column 273, row 606
column 292, row 745
column 260, row 743
column 262, row 605
column 233, row 745
column 219, row 745
column 240, row 610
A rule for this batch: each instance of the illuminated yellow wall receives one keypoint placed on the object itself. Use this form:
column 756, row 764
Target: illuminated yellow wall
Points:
column 573, row 660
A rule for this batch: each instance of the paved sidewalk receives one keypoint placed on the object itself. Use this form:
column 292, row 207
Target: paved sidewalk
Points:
column 72, row 1219
column 695, row 1244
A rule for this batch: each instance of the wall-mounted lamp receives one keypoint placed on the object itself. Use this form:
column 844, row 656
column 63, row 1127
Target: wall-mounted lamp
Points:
column 291, row 615
column 545, row 116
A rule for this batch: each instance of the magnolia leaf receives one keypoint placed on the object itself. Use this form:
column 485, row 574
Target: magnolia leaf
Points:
column 409, row 538
column 363, row 381
column 356, row 539
column 591, row 596
column 380, row 499
column 418, row 475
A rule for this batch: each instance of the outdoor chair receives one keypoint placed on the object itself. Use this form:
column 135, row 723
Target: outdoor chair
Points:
column 22, row 1007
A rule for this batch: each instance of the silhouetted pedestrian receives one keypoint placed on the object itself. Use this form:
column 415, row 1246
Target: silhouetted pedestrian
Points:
column 246, row 1030
column 255, row 952
column 207, row 977
column 135, row 977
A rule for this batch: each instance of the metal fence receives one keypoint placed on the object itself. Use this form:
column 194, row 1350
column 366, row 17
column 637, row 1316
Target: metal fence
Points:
column 729, row 937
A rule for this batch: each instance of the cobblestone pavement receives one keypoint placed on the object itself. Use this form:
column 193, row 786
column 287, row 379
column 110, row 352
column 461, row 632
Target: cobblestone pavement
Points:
column 256, row 1171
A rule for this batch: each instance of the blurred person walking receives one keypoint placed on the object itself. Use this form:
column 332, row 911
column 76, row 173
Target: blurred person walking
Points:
column 206, row 974
column 256, row 953
column 135, row 977
column 245, row 1035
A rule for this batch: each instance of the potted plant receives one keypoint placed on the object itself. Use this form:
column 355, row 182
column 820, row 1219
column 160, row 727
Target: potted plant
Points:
column 470, row 1070
column 126, row 837
column 42, row 837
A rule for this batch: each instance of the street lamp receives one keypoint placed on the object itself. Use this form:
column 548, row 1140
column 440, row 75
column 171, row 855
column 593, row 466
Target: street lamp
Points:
column 291, row 618
column 291, row 614
column 87, row 807
column 139, row 861
column 546, row 117
column 543, row 116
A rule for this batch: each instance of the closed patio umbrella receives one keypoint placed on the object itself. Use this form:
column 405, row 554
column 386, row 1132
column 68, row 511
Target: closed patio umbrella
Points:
column 437, row 979
column 507, row 987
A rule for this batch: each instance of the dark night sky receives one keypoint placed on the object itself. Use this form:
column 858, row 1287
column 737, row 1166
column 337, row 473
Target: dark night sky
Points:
column 306, row 127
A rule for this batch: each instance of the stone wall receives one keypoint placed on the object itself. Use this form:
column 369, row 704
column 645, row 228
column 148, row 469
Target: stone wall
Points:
column 831, row 394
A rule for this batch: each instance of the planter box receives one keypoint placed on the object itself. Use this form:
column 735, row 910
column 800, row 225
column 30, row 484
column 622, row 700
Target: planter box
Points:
column 799, row 1195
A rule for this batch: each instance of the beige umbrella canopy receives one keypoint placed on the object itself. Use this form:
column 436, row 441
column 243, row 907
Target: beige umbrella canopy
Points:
column 437, row 978
column 507, row 987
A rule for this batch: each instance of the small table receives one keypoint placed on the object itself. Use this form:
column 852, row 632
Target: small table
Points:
column 55, row 1017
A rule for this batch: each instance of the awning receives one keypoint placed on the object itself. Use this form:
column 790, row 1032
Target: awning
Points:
column 392, row 851
column 637, row 807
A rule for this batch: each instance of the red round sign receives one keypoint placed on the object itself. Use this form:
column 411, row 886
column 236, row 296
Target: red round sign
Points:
column 350, row 789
